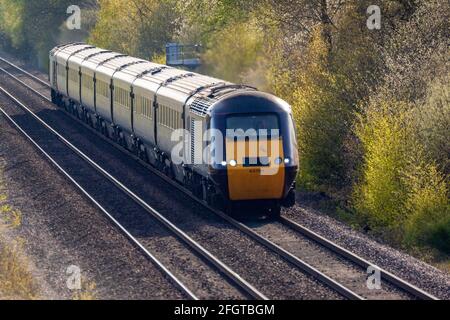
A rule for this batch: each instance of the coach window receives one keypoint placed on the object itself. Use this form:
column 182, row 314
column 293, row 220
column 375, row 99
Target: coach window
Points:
column 164, row 116
column 148, row 109
column 73, row 75
column 143, row 109
column 137, row 99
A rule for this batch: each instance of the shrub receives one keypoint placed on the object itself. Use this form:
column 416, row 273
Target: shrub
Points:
column 140, row 28
column 433, row 117
column 381, row 191
column 428, row 223
column 323, row 114
column 16, row 280
column 401, row 192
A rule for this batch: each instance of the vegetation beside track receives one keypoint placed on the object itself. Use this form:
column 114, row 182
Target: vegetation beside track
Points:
column 16, row 279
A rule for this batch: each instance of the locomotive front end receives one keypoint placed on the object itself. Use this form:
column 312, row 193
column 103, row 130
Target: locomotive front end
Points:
column 260, row 159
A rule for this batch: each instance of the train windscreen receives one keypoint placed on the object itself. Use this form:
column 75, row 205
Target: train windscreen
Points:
column 249, row 125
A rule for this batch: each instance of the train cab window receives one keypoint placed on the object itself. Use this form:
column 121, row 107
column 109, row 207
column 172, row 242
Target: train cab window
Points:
column 242, row 125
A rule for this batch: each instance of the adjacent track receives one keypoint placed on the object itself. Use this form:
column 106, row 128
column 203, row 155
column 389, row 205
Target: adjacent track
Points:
column 363, row 263
column 148, row 254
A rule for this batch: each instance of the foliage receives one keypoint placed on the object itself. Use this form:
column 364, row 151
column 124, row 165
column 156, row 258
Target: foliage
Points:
column 428, row 209
column 216, row 15
column 32, row 28
column 386, row 158
column 233, row 51
column 321, row 115
column 88, row 291
column 433, row 121
column 330, row 82
column 402, row 186
column 138, row 27
column 16, row 280
column 401, row 194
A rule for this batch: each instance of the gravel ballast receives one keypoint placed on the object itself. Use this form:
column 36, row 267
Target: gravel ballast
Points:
column 405, row 266
column 61, row 228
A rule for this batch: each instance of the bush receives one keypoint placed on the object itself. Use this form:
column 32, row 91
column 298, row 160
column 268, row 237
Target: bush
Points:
column 428, row 207
column 32, row 27
column 433, row 118
column 439, row 237
column 401, row 189
column 323, row 111
column 381, row 191
column 139, row 28
column 401, row 192
column 321, row 118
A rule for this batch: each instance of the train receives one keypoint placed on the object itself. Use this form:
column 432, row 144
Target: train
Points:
column 231, row 145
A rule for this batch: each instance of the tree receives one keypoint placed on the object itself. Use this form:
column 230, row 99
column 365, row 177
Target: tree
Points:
column 138, row 27
column 33, row 27
column 403, row 183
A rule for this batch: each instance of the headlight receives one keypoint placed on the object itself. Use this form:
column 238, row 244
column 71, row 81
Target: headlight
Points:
column 233, row 163
column 224, row 163
column 287, row 161
column 278, row 161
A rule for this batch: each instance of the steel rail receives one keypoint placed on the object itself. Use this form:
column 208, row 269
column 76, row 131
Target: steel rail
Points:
column 26, row 72
column 411, row 289
column 232, row 275
column 178, row 283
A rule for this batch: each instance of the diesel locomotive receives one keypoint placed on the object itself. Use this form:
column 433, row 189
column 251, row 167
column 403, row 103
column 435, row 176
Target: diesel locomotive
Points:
column 230, row 144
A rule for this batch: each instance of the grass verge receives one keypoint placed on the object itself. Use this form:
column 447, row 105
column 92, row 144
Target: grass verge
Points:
column 16, row 280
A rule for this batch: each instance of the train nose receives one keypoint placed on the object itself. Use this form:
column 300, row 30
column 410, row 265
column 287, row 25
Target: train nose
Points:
column 255, row 169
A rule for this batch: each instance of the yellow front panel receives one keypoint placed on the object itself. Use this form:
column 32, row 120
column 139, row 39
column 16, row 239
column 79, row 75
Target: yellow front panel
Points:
column 255, row 182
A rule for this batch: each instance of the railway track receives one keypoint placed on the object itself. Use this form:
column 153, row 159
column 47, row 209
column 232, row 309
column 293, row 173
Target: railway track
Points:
column 297, row 259
column 195, row 246
column 148, row 254
column 363, row 263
